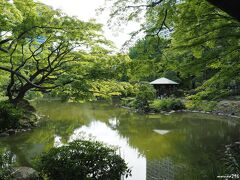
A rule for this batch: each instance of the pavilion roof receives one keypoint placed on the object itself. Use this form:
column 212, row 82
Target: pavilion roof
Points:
column 163, row 81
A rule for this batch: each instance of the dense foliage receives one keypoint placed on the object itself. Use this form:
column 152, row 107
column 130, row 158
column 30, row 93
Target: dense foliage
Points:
column 6, row 163
column 82, row 159
column 209, row 51
column 9, row 115
column 200, row 105
column 167, row 104
column 44, row 50
column 144, row 95
column 193, row 40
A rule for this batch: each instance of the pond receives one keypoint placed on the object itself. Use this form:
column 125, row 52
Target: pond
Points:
column 176, row 146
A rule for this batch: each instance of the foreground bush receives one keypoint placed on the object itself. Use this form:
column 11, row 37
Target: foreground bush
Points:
column 167, row 104
column 5, row 164
column 82, row 160
column 9, row 115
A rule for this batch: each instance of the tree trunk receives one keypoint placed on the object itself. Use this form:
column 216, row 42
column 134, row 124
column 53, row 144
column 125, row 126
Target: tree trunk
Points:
column 9, row 87
column 21, row 94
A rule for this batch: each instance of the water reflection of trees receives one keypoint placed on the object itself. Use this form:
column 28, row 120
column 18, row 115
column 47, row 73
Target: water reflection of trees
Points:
column 60, row 119
column 164, row 169
column 196, row 142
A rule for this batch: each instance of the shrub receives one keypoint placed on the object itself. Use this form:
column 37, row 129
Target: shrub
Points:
column 81, row 159
column 5, row 164
column 145, row 94
column 9, row 115
column 201, row 105
column 167, row 104
column 209, row 94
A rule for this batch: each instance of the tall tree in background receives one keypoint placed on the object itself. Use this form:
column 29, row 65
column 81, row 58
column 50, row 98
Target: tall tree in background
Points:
column 204, row 40
column 209, row 48
column 147, row 58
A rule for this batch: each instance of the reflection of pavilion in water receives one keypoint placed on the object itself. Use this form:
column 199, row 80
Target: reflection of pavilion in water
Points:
column 163, row 169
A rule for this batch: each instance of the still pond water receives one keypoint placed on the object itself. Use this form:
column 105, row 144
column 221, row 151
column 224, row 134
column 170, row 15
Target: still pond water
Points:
column 156, row 147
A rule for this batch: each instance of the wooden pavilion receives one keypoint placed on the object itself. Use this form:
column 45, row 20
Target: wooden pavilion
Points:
column 164, row 86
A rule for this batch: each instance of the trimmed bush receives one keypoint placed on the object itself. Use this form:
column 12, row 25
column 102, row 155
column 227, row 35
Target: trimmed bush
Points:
column 167, row 104
column 9, row 115
column 81, row 159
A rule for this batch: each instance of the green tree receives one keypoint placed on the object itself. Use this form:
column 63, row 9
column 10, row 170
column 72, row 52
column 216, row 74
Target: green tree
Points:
column 98, row 76
column 83, row 159
column 209, row 49
column 42, row 49
column 204, row 46
column 147, row 58
column 10, row 18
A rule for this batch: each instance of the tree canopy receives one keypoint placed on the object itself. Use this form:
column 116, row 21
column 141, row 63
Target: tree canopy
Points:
column 203, row 43
column 42, row 49
column 45, row 50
